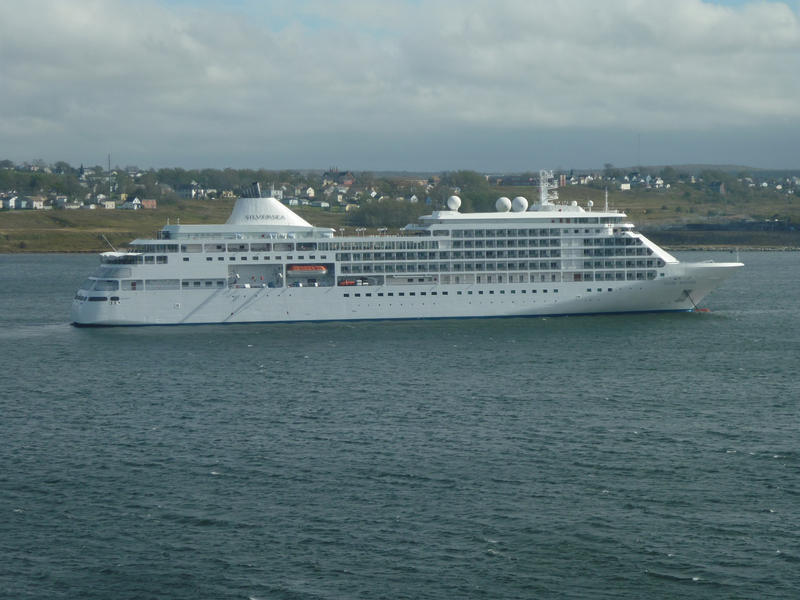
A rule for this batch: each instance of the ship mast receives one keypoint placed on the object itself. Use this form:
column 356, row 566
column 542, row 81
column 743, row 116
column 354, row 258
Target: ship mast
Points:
column 547, row 188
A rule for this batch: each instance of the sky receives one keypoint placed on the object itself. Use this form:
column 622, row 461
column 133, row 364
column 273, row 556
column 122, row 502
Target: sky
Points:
column 417, row 85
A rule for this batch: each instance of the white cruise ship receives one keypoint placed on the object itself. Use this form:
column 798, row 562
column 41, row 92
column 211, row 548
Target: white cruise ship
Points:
column 267, row 264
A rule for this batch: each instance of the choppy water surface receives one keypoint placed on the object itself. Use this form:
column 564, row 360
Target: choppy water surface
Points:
column 653, row 456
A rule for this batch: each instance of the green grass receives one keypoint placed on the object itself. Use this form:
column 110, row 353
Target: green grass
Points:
column 82, row 230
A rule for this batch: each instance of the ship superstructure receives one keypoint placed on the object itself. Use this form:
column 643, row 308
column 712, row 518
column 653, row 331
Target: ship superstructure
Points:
column 267, row 264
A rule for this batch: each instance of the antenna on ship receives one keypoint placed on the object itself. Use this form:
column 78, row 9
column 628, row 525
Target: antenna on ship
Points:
column 606, row 198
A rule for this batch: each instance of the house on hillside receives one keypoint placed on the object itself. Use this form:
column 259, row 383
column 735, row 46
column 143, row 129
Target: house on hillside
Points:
column 134, row 204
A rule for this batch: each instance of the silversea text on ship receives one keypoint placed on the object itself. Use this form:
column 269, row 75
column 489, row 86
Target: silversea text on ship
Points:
column 266, row 264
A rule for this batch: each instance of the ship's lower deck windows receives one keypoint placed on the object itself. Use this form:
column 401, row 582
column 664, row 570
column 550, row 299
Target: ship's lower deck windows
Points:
column 162, row 284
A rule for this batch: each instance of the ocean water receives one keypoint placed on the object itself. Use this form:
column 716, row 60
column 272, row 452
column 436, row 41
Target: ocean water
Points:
column 651, row 456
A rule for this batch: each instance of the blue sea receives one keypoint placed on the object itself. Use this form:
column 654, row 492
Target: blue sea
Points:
column 647, row 456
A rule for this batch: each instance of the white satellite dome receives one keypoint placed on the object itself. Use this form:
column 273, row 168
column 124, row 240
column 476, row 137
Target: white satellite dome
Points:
column 454, row 203
column 503, row 204
column 519, row 204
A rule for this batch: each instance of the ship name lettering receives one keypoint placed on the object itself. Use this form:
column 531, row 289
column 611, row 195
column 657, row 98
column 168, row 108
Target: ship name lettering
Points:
column 264, row 217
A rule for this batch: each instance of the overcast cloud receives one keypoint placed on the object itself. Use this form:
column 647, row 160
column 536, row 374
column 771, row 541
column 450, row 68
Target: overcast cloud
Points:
column 421, row 85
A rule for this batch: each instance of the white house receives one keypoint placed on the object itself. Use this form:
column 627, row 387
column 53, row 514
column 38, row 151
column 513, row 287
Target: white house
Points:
column 134, row 204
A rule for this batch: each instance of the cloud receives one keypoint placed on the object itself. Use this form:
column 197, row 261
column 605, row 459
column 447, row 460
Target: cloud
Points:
column 179, row 82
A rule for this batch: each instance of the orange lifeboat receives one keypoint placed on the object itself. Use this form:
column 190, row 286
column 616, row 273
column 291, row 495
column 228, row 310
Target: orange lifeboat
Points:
column 305, row 270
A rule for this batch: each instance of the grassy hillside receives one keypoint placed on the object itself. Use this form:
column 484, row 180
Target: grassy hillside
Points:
column 81, row 230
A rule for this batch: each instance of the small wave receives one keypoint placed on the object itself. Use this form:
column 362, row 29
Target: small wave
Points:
column 673, row 577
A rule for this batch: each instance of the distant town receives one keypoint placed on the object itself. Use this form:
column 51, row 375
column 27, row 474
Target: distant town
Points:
column 60, row 186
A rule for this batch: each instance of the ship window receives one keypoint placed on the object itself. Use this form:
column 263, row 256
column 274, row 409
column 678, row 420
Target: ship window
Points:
column 220, row 258
column 149, row 260
column 445, row 293
column 480, row 293
column 347, row 295
column 380, row 294
column 358, row 295
column 401, row 293
column 131, row 284
column 185, row 259
column 161, row 260
column 97, row 298
column 390, row 294
column 107, row 285
column 208, row 258
column 162, row 284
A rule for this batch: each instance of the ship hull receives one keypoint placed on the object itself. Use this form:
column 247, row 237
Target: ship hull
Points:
column 682, row 288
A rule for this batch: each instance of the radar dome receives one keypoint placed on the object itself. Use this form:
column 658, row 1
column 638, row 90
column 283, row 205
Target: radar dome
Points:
column 454, row 203
column 519, row 204
column 503, row 204
column 590, row 204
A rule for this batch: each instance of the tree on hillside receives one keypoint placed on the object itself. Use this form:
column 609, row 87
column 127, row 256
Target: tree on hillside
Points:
column 669, row 175
column 475, row 192
column 610, row 171
column 389, row 213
